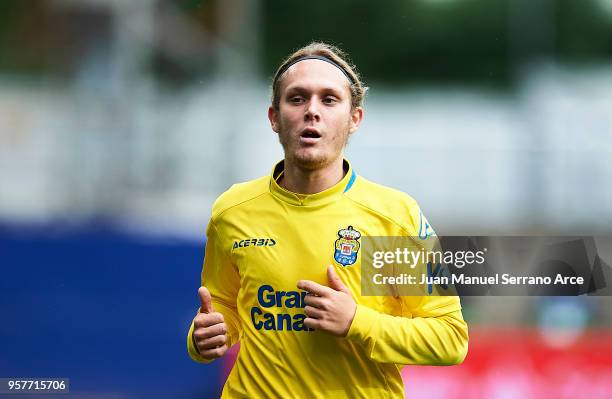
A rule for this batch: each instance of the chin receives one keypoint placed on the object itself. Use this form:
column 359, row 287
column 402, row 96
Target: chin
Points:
column 311, row 160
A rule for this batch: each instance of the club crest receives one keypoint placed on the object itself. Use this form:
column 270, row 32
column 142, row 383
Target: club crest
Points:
column 347, row 246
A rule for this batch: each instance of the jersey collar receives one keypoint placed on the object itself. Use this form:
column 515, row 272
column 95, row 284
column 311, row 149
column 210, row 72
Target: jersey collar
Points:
column 331, row 194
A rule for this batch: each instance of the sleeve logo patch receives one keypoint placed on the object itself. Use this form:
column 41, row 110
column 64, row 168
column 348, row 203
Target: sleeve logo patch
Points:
column 347, row 246
column 425, row 229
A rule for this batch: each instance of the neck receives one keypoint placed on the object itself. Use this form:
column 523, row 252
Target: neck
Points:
column 305, row 181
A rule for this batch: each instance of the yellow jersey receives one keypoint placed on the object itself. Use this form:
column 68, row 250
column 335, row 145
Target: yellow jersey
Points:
column 262, row 239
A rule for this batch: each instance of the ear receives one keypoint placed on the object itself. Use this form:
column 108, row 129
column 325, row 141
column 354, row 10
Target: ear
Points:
column 273, row 117
column 356, row 118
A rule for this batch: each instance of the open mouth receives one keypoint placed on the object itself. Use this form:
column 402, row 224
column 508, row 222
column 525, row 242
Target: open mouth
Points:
column 310, row 135
column 313, row 135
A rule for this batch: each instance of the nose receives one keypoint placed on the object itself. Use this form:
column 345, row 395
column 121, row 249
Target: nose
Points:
column 312, row 112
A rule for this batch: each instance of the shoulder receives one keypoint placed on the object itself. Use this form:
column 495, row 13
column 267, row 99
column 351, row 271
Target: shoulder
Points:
column 374, row 193
column 240, row 194
column 389, row 203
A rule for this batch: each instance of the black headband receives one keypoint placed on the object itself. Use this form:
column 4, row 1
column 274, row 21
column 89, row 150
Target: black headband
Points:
column 313, row 57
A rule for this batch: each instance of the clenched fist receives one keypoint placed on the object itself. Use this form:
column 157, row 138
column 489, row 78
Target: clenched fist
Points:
column 209, row 330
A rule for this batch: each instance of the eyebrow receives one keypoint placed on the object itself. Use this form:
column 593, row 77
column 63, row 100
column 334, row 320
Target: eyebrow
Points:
column 301, row 89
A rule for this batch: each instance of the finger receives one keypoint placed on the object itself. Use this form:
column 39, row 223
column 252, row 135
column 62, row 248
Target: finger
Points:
column 313, row 312
column 212, row 342
column 312, row 323
column 208, row 319
column 334, row 280
column 313, row 288
column 212, row 331
column 206, row 305
column 214, row 353
column 315, row 301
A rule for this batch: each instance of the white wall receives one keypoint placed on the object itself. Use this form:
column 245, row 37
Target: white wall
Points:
column 535, row 160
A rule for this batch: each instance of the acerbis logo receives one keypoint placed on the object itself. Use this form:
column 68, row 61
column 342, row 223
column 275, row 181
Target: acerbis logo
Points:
column 255, row 242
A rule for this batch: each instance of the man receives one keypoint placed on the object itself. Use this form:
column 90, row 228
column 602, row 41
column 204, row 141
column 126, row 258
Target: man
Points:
column 282, row 265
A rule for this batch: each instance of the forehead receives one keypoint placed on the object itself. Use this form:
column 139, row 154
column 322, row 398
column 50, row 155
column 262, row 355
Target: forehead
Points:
column 314, row 75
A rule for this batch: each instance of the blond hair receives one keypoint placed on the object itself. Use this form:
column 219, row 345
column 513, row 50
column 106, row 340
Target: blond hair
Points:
column 331, row 52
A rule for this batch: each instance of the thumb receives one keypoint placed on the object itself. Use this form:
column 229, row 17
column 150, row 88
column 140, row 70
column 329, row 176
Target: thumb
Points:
column 205, row 300
column 334, row 280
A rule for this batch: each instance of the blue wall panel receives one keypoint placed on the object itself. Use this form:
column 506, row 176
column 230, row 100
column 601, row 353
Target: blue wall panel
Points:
column 108, row 310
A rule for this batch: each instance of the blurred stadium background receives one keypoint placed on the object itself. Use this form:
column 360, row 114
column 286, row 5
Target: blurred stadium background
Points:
column 121, row 122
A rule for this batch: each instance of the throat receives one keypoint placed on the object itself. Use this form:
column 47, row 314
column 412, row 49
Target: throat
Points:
column 302, row 181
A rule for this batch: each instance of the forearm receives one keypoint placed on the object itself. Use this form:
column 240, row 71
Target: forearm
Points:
column 441, row 340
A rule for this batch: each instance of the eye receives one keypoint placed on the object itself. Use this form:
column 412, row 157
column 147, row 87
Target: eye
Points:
column 329, row 100
column 296, row 99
